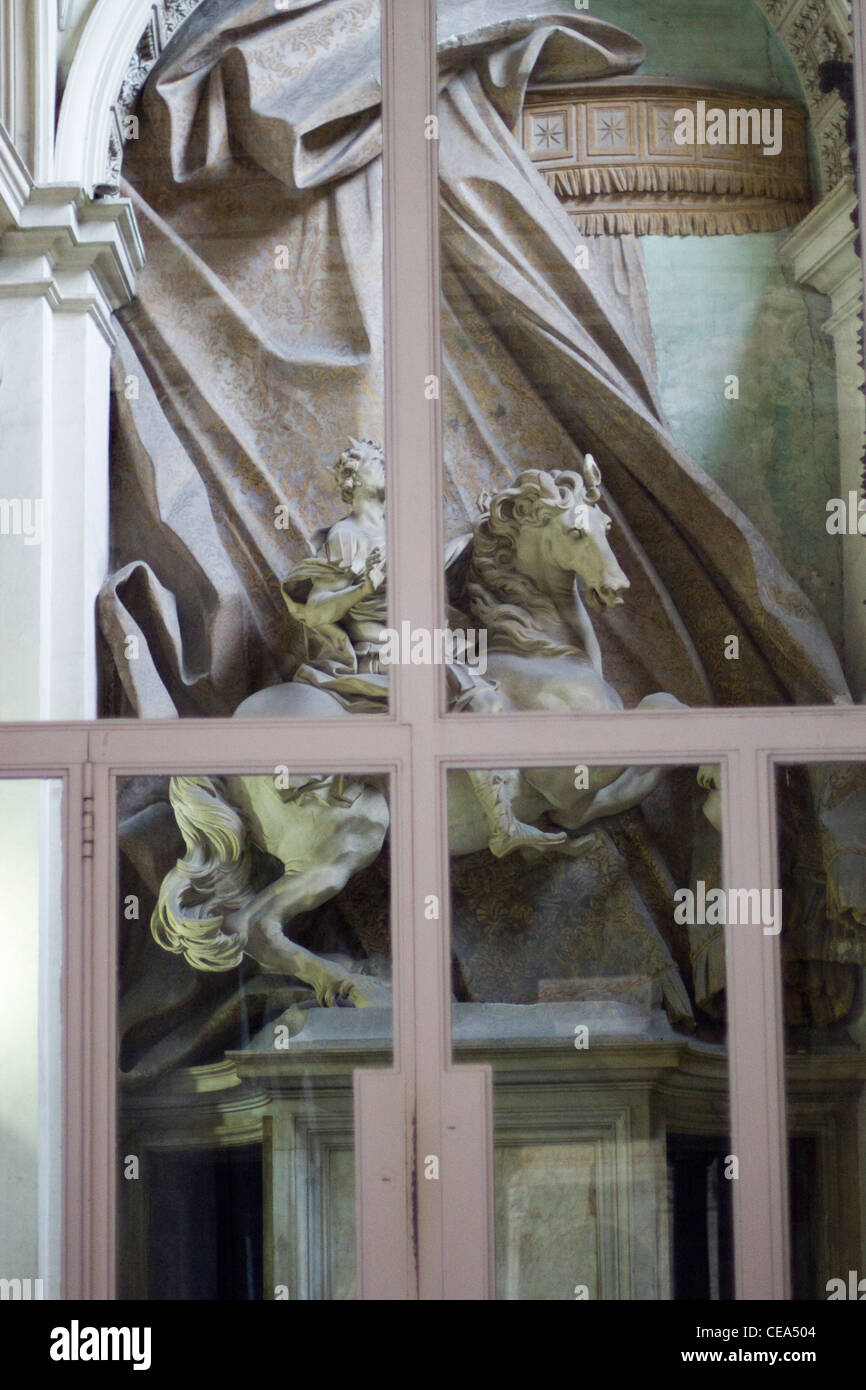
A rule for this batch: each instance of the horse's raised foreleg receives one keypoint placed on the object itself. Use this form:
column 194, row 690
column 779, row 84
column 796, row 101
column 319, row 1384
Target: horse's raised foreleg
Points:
column 262, row 924
column 628, row 790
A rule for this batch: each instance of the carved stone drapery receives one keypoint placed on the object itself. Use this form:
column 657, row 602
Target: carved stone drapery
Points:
column 609, row 153
column 166, row 17
column 811, row 30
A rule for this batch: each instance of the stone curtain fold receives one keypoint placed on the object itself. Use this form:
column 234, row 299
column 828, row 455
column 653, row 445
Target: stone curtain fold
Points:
column 257, row 339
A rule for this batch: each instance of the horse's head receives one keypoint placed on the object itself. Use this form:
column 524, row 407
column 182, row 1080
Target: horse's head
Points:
column 556, row 528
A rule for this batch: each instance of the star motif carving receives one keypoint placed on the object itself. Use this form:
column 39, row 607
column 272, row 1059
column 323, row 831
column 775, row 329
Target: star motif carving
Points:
column 611, row 128
column 549, row 133
column 665, row 128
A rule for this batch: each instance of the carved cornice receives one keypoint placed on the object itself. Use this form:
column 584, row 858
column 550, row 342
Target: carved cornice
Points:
column 814, row 31
column 821, row 252
column 609, row 152
column 80, row 255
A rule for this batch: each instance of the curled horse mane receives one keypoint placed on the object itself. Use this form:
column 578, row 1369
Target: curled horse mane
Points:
column 518, row 615
column 212, row 879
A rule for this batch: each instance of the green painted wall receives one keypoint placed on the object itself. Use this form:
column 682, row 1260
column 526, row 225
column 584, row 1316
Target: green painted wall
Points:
column 727, row 41
column 724, row 305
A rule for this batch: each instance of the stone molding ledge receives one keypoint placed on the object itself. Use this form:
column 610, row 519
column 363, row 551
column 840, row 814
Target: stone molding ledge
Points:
column 82, row 256
column 820, row 252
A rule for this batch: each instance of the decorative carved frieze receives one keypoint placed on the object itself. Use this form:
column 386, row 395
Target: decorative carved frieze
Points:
column 833, row 148
column 814, row 32
column 611, row 154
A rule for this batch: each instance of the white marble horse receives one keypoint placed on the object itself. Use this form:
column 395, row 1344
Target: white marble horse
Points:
column 542, row 540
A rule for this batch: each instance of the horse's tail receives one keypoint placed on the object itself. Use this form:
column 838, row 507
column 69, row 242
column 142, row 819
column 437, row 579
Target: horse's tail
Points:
column 212, row 879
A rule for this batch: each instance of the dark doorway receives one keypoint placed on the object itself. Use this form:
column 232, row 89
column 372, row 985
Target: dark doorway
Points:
column 205, row 1224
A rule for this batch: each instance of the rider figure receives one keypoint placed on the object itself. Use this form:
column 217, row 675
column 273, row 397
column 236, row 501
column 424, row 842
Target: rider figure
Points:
column 339, row 597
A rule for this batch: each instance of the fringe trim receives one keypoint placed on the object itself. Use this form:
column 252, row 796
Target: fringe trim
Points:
column 690, row 221
column 588, row 180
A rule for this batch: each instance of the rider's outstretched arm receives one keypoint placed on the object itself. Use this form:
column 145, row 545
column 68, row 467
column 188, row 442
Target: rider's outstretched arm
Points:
column 326, row 606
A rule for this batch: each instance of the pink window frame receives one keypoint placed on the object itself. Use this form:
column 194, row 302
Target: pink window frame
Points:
column 417, row 1239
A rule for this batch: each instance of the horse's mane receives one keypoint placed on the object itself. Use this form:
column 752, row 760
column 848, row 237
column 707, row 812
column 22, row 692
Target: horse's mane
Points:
column 511, row 607
column 518, row 615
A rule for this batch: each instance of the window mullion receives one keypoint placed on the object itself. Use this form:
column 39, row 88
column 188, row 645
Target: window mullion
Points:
column 755, row 1036
column 452, row 1113
column 411, row 444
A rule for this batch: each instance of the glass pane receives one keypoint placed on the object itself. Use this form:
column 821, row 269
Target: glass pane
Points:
column 636, row 201
column 31, row 1043
column 822, row 854
column 254, row 976
column 247, row 499
column 587, row 934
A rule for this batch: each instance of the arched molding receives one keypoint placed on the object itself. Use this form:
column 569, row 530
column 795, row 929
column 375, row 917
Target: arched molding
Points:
column 813, row 32
column 120, row 43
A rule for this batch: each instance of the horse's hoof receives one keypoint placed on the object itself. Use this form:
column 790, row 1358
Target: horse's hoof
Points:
column 572, row 847
column 367, row 993
column 357, row 992
column 676, row 998
column 580, row 845
column 527, row 838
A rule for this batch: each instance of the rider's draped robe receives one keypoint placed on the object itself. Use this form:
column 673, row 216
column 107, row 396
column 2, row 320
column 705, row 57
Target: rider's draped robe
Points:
column 256, row 338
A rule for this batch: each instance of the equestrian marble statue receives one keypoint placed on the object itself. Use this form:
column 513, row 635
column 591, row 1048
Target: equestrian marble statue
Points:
column 539, row 558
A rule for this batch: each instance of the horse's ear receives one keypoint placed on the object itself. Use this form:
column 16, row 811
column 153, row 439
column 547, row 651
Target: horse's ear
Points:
column 592, row 478
column 502, row 511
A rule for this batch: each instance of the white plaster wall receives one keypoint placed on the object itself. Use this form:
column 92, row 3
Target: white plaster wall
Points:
column 76, row 15
column 76, row 512
column 25, row 409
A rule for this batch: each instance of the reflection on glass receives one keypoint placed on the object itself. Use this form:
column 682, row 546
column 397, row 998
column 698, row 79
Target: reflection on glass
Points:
column 31, row 932
column 247, row 487
column 614, row 428
column 255, row 955
column 822, row 853
column 589, row 970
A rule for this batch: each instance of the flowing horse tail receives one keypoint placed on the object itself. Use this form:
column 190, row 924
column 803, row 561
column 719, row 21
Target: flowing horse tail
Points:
column 211, row 880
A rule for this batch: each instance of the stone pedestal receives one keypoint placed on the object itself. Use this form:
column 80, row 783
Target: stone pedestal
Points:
column 583, row 1140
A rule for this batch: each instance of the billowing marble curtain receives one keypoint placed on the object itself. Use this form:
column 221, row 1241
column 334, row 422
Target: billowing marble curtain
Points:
column 257, row 334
